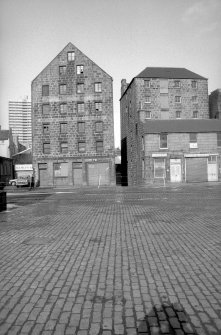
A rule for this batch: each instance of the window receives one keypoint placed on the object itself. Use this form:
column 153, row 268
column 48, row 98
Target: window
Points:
column 64, row 147
column 177, row 83
column 80, row 107
column 45, row 109
column 97, row 87
column 81, row 146
column 178, row 114
column 219, row 139
column 159, row 168
column 98, row 106
column 62, row 89
column 193, row 140
column 63, row 128
column 45, row 90
column 81, row 127
column 63, row 108
column 194, row 84
column 80, row 88
column 147, row 115
column 147, row 83
column 71, row 56
column 178, row 99
column 147, row 100
column 195, row 114
column 46, row 128
column 163, row 141
column 99, row 127
column 60, row 170
column 99, row 146
column 193, row 137
column 194, row 99
column 80, row 69
column 46, row 148
column 62, row 69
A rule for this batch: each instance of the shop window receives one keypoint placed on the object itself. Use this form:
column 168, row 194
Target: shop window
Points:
column 60, row 170
column 159, row 168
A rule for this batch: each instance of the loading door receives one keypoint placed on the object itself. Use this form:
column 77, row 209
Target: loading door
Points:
column 196, row 169
column 98, row 174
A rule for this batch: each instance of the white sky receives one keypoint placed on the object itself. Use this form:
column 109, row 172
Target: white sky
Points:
column 121, row 36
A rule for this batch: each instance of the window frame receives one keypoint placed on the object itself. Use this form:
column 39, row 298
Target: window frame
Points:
column 192, row 137
column 44, row 127
column 61, row 108
column 98, row 87
column 146, row 117
column 61, row 69
column 63, row 128
column 64, row 147
column 161, row 141
column 98, row 147
column 80, row 111
column 78, row 89
column 46, row 150
column 194, row 84
column 62, row 91
column 70, row 56
column 45, row 89
column 195, row 114
column 177, row 84
column 178, row 114
column 156, row 160
column 43, row 109
column 84, row 147
column 147, row 83
column 81, row 127
column 97, row 110
column 78, row 69
column 178, row 97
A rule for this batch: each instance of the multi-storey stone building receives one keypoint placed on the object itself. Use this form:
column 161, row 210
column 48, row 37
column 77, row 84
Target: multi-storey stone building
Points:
column 72, row 122
column 215, row 104
column 166, row 133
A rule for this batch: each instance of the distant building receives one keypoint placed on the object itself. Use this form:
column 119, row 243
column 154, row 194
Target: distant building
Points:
column 166, row 134
column 20, row 120
column 6, row 151
column 72, row 118
column 215, row 104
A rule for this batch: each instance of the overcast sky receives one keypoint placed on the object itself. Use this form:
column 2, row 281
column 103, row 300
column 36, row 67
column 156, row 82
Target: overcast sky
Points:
column 121, row 36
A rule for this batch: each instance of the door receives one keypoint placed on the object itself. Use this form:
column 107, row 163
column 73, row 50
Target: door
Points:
column 43, row 174
column 77, row 177
column 98, row 174
column 212, row 169
column 196, row 169
column 175, row 170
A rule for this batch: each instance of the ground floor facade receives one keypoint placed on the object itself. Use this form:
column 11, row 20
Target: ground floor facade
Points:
column 76, row 172
column 178, row 168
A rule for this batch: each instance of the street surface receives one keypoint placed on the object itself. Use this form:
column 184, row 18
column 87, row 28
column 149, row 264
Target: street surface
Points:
column 111, row 261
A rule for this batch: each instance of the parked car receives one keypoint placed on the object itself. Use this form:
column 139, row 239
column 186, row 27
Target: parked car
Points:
column 19, row 182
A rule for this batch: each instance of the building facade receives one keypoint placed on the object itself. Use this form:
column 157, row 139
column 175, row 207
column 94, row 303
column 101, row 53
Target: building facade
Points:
column 215, row 104
column 20, row 121
column 72, row 122
column 165, row 118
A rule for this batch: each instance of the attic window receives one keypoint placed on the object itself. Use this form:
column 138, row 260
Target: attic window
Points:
column 71, row 56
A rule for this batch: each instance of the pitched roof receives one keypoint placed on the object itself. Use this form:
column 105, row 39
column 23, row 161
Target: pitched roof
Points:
column 182, row 126
column 168, row 72
column 4, row 135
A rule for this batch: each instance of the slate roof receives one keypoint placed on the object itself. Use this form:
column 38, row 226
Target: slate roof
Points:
column 182, row 126
column 4, row 135
column 168, row 73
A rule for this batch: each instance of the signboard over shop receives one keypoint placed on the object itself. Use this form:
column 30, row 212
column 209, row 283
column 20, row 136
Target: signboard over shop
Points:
column 23, row 167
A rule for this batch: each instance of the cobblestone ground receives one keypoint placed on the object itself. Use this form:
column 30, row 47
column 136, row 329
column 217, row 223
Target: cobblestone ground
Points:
column 113, row 261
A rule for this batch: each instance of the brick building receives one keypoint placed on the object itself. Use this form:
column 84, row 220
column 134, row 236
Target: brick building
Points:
column 72, row 122
column 215, row 104
column 166, row 133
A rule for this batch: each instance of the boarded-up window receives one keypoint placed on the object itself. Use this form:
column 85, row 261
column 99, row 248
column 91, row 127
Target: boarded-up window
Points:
column 163, row 85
